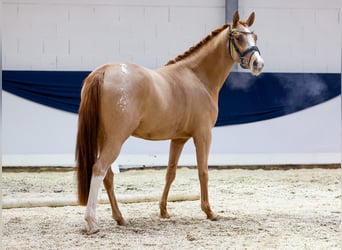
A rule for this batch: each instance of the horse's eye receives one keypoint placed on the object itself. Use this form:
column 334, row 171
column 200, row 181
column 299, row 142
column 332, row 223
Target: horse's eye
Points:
column 239, row 38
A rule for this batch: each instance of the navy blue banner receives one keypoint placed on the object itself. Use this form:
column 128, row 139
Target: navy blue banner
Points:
column 243, row 98
column 57, row 89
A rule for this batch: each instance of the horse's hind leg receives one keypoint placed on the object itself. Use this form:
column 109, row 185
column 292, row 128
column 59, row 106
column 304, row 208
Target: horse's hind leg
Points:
column 90, row 214
column 176, row 148
column 100, row 168
column 108, row 183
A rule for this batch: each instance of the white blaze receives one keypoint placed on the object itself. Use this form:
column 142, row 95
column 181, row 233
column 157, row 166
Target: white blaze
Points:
column 256, row 56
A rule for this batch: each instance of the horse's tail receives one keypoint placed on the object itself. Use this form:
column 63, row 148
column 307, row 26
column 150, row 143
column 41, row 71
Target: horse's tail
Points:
column 87, row 134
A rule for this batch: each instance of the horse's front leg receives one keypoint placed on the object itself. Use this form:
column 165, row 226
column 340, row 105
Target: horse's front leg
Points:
column 176, row 148
column 202, row 143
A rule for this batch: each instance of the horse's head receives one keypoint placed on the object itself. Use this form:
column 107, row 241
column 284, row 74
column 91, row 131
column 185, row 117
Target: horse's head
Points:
column 242, row 44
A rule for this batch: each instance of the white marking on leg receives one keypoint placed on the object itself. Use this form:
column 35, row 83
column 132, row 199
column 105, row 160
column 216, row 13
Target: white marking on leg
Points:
column 95, row 185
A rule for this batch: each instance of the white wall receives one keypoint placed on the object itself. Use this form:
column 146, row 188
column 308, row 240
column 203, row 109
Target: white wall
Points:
column 80, row 35
column 298, row 35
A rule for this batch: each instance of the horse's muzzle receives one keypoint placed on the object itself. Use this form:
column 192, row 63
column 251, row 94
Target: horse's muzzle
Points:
column 256, row 64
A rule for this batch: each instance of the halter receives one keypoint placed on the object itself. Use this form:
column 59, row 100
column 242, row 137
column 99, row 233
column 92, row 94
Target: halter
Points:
column 244, row 63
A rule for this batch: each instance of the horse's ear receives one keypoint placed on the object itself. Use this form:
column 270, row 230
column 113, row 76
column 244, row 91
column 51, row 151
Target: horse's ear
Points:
column 236, row 19
column 250, row 19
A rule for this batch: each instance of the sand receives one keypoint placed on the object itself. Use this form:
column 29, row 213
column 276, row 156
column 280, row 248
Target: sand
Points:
column 258, row 209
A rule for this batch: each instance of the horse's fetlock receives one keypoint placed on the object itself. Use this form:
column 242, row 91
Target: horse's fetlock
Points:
column 205, row 207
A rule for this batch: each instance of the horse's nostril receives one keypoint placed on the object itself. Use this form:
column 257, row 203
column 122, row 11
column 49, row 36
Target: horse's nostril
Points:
column 255, row 63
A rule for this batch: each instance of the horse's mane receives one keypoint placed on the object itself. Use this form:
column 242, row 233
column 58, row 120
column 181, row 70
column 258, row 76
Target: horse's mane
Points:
column 198, row 45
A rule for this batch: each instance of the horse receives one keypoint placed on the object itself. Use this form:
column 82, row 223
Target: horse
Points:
column 175, row 102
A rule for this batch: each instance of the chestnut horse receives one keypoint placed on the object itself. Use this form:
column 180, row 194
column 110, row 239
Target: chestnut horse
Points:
column 177, row 101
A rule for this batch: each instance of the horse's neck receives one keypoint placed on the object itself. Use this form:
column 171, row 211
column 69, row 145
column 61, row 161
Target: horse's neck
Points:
column 212, row 64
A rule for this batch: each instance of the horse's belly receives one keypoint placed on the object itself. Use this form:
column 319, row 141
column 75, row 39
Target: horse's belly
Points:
column 163, row 132
column 151, row 136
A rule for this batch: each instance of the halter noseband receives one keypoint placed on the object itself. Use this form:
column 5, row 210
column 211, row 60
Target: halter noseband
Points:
column 244, row 63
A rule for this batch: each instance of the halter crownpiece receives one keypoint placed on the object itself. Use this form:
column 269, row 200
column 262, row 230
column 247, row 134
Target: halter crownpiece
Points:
column 244, row 63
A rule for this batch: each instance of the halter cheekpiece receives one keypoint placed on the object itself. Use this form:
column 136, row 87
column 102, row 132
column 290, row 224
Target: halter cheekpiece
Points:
column 244, row 62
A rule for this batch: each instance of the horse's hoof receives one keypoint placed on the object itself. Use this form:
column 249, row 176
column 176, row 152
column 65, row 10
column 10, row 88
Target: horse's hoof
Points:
column 163, row 211
column 122, row 222
column 93, row 231
column 212, row 217
column 93, row 228
column 164, row 215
